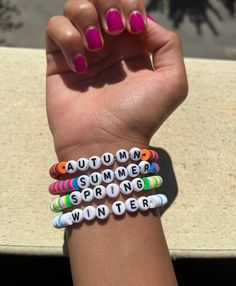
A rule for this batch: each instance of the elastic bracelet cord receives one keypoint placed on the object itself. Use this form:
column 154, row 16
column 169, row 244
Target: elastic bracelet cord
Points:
column 102, row 212
column 107, row 159
column 107, row 176
column 100, row 192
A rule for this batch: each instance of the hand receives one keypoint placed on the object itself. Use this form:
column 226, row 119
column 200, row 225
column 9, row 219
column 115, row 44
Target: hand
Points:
column 106, row 93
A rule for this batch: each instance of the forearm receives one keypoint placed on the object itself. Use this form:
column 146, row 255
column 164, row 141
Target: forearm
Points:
column 120, row 251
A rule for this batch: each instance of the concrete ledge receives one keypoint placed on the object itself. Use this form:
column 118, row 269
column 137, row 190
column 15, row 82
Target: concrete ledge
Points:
column 197, row 148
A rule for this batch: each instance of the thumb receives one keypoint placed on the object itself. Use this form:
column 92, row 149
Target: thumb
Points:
column 165, row 46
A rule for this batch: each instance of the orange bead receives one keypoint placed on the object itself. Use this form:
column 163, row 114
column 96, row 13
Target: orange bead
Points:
column 145, row 154
column 62, row 168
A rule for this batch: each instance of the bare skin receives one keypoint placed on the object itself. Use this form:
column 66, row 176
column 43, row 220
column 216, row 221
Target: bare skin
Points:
column 119, row 102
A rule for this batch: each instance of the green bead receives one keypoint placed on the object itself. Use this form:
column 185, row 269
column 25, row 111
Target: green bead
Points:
column 146, row 183
column 68, row 202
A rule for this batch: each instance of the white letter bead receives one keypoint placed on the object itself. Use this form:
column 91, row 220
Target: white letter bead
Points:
column 95, row 179
column 71, row 167
column 152, row 202
column 99, row 192
column 121, row 173
column 126, row 187
column 83, row 164
column 83, row 181
column 122, row 156
column 118, row 208
column 143, row 204
column 108, row 176
column 107, row 159
column 131, row 205
column 66, row 219
column 138, row 184
column 135, row 154
column 112, row 190
column 75, row 198
column 77, row 216
column 144, row 167
column 95, row 162
column 102, row 212
column 89, row 213
column 87, row 195
column 133, row 170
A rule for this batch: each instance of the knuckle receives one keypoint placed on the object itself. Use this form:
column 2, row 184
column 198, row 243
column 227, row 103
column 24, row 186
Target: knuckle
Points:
column 74, row 10
column 52, row 22
column 68, row 38
column 174, row 39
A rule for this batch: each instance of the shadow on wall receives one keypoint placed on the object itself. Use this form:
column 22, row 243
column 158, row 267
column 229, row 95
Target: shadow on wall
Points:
column 198, row 12
column 8, row 12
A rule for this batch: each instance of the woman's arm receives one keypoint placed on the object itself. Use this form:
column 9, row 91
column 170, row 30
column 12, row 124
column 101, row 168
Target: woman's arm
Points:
column 113, row 97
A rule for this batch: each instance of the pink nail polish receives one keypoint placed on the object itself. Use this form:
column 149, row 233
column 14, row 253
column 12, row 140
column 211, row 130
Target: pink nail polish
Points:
column 136, row 21
column 80, row 63
column 151, row 18
column 93, row 38
column 114, row 20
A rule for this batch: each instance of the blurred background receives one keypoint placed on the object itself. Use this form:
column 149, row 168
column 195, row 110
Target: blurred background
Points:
column 207, row 27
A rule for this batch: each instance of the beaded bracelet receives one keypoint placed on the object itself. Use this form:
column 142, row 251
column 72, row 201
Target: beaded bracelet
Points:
column 100, row 192
column 102, row 212
column 107, row 176
column 107, row 159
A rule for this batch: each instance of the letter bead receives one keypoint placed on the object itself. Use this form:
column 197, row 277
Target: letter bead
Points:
column 138, row 184
column 83, row 181
column 107, row 159
column 95, row 162
column 75, row 198
column 112, row 190
column 143, row 203
column 122, row 156
column 118, row 208
column 133, row 170
column 131, row 205
column 83, row 164
column 102, row 212
column 89, row 213
column 144, row 167
column 135, row 154
column 71, row 167
column 99, row 192
column 77, row 216
column 126, row 187
column 108, row 176
column 121, row 173
column 87, row 195
column 95, row 179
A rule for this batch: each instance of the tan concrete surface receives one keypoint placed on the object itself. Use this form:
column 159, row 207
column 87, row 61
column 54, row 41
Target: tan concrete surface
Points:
column 199, row 138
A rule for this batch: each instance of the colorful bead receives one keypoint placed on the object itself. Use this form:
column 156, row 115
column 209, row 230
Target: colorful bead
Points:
column 62, row 168
column 154, row 168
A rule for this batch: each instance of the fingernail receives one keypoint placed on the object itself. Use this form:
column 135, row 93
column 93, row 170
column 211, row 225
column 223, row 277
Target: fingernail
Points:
column 93, row 38
column 151, row 18
column 80, row 63
column 136, row 21
column 114, row 20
